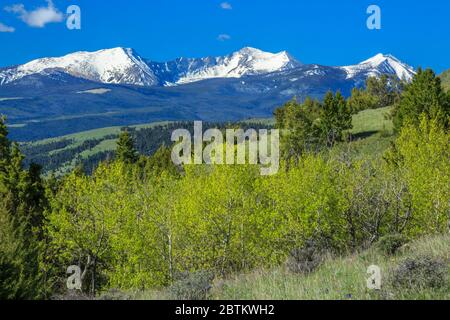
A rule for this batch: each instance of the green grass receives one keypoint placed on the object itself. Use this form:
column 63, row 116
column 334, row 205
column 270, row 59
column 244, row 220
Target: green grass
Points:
column 80, row 137
column 372, row 134
column 373, row 120
column 338, row 278
column 105, row 145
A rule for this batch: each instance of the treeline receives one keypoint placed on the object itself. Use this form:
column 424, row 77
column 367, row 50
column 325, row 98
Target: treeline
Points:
column 377, row 93
column 34, row 150
column 51, row 160
column 54, row 155
column 139, row 222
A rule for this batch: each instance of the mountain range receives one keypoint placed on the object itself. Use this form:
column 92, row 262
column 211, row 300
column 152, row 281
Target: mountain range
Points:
column 126, row 66
column 87, row 90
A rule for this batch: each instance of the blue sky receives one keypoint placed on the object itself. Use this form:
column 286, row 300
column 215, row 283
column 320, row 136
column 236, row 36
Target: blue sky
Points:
column 328, row 32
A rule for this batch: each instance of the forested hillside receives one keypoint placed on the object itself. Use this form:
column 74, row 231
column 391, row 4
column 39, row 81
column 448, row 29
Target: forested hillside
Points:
column 87, row 149
column 139, row 223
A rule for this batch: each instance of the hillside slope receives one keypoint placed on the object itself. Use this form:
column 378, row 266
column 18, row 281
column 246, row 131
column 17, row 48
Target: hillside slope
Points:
column 339, row 278
column 342, row 278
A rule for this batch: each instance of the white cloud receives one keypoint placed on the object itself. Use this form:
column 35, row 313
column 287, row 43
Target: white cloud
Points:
column 223, row 37
column 226, row 6
column 39, row 17
column 5, row 28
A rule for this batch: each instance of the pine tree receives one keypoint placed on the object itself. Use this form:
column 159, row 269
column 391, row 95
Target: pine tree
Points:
column 5, row 150
column 361, row 100
column 424, row 95
column 35, row 198
column 381, row 89
column 21, row 210
column 20, row 276
column 16, row 174
column 158, row 163
column 79, row 169
column 344, row 114
column 297, row 122
column 336, row 117
column 126, row 151
column 9, row 252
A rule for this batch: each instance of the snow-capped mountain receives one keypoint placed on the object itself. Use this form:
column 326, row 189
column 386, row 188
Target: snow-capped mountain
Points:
column 116, row 66
column 125, row 66
column 247, row 61
column 378, row 65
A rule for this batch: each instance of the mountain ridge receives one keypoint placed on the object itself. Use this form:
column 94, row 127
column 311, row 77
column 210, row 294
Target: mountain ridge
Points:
column 125, row 66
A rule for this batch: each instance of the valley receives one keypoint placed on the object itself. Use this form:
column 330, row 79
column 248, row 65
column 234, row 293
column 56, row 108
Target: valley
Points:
column 372, row 132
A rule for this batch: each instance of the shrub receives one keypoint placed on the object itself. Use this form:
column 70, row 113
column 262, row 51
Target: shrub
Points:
column 193, row 286
column 390, row 244
column 305, row 259
column 421, row 272
column 114, row 294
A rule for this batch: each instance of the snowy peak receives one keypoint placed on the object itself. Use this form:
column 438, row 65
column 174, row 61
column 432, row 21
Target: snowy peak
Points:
column 257, row 54
column 265, row 62
column 378, row 59
column 247, row 61
column 381, row 64
column 117, row 66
